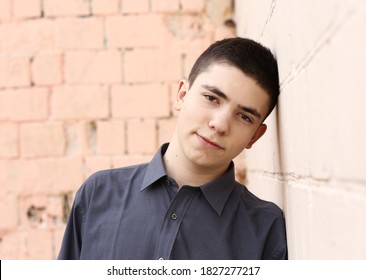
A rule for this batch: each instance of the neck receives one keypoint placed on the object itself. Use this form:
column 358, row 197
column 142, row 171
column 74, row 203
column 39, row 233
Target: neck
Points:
column 186, row 172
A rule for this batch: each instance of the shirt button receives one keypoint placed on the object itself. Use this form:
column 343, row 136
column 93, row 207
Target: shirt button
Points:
column 174, row 216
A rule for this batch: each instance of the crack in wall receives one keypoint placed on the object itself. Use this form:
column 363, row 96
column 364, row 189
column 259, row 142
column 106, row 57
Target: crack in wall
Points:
column 329, row 32
column 271, row 12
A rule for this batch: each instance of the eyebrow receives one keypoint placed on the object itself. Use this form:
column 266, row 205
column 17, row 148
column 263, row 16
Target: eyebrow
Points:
column 221, row 94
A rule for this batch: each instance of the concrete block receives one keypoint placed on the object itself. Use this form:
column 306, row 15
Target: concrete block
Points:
column 102, row 7
column 14, row 71
column 111, row 138
column 5, row 9
column 54, row 8
column 9, row 140
column 166, row 129
column 141, row 137
column 140, row 101
column 80, row 102
column 47, row 69
column 130, row 31
column 129, row 160
column 193, row 5
column 24, row 104
column 79, row 33
column 27, row 37
column 42, row 139
column 164, row 6
column 96, row 163
column 135, row 7
column 152, row 65
column 26, row 9
column 87, row 67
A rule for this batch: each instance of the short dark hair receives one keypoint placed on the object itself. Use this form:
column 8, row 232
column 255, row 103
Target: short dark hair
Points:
column 253, row 59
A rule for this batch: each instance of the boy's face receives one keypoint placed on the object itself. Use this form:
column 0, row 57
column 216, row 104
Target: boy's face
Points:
column 219, row 116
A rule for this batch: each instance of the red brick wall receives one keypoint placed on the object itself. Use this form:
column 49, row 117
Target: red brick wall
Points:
column 85, row 85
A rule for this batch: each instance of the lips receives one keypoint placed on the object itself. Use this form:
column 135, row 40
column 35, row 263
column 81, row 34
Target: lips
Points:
column 208, row 143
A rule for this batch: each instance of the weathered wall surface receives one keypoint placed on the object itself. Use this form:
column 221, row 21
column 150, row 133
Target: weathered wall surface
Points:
column 85, row 85
column 312, row 160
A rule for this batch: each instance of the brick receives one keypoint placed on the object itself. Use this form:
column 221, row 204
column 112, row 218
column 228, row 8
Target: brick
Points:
column 218, row 10
column 111, row 138
column 24, row 104
column 141, row 137
column 66, row 7
column 79, row 33
column 96, row 163
column 128, row 160
column 27, row 37
column 32, row 211
column 11, row 245
column 55, row 211
column 14, row 71
column 192, row 51
column 57, row 183
column 133, row 6
column 192, row 5
column 80, row 102
column 64, row 175
column 47, row 69
column 9, row 214
column 81, row 138
column 32, row 241
column 8, row 140
column 152, row 65
column 86, row 67
column 131, row 31
column 76, row 140
column 5, row 9
column 26, row 9
column 164, row 6
column 166, row 129
column 42, row 139
column 40, row 211
column 140, row 101
column 223, row 32
column 102, row 7
column 12, row 176
column 332, row 206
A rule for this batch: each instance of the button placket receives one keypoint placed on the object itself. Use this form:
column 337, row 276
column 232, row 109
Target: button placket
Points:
column 172, row 222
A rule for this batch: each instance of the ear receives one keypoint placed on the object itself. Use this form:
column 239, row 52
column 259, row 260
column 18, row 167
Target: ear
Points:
column 182, row 92
column 258, row 134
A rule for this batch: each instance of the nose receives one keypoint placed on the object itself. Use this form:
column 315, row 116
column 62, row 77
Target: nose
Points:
column 220, row 122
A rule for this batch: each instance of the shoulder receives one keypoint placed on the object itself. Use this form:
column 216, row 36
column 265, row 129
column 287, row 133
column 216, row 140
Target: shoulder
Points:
column 110, row 181
column 269, row 222
column 255, row 204
column 117, row 174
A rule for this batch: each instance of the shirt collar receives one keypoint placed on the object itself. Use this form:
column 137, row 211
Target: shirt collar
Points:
column 155, row 169
column 217, row 191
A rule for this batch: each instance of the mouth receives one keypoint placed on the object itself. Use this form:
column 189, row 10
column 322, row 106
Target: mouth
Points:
column 209, row 143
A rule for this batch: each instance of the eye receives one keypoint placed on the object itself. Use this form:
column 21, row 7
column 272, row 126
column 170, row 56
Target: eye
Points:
column 245, row 118
column 211, row 98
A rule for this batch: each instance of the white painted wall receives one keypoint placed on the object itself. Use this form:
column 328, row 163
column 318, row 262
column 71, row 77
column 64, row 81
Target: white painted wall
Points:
column 312, row 160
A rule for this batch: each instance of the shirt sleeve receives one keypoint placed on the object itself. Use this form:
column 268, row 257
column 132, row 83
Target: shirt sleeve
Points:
column 72, row 240
column 276, row 243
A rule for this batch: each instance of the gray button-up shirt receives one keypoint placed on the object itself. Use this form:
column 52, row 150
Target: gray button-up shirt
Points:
column 137, row 212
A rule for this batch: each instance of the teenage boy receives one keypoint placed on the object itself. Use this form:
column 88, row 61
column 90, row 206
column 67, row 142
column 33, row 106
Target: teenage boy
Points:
column 185, row 203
